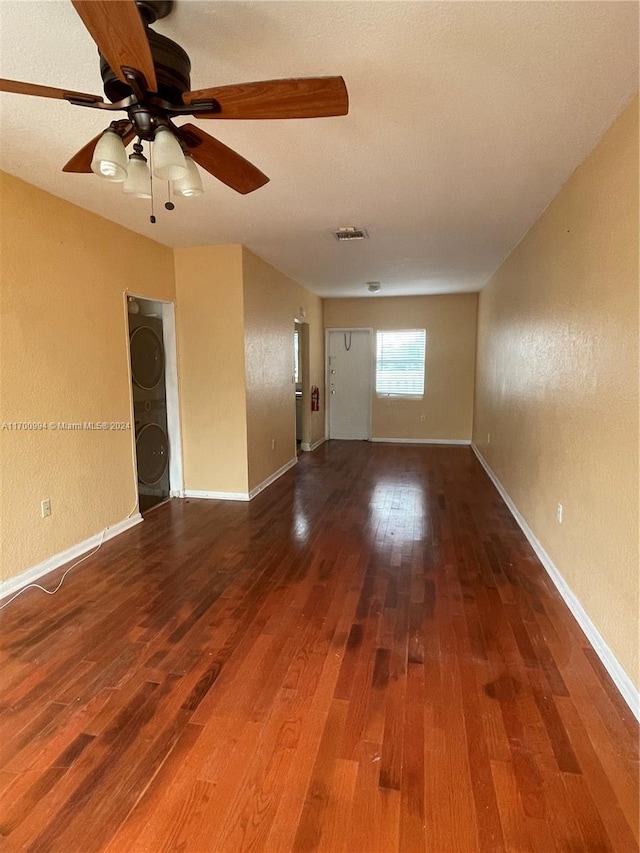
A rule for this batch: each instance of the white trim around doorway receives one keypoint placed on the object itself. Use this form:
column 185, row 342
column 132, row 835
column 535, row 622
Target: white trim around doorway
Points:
column 176, row 477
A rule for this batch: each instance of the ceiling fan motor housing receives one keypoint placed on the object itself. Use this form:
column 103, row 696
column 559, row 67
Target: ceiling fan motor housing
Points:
column 153, row 10
column 173, row 71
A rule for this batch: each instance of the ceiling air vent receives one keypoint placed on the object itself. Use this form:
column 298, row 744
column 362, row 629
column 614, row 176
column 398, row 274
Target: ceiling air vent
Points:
column 350, row 233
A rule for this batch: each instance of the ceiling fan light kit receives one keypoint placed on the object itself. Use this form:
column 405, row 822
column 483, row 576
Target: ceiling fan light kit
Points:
column 168, row 159
column 191, row 184
column 147, row 76
column 138, row 181
column 109, row 157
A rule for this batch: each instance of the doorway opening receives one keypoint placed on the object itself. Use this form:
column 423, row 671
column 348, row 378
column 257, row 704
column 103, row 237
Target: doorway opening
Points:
column 152, row 362
column 301, row 380
column 297, row 380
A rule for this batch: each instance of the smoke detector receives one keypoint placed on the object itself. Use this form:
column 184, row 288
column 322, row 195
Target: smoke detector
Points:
column 373, row 286
column 350, row 233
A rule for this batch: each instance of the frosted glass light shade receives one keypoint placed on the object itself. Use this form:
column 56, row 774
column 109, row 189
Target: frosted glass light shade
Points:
column 168, row 159
column 109, row 157
column 138, row 181
column 191, row 184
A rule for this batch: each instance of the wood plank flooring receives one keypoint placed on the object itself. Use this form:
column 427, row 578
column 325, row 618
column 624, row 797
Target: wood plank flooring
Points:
column 366, row 658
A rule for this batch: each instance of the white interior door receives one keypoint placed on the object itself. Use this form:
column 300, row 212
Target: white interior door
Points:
column 349, row 381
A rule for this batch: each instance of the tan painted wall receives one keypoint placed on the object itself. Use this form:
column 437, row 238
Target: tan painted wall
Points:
column 450, row 322
column 212, row 371
column 63, row 357
column 272, row 302
column 557, row 383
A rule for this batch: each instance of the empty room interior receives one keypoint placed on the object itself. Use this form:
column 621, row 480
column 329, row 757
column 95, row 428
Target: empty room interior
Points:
column 319, row 426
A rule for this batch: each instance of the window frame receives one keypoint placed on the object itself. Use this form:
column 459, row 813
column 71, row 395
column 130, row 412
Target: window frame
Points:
column 399, row 394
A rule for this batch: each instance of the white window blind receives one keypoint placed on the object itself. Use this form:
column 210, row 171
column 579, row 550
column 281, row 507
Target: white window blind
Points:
column 400, row 362
column 296, row 357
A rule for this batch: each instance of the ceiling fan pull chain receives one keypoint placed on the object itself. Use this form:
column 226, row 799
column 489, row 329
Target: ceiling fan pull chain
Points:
column 169, row 205
column 152, row 218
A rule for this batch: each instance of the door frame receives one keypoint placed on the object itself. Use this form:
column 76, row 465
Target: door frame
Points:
column 327, row 374
column 305, row 371
column 174, row 431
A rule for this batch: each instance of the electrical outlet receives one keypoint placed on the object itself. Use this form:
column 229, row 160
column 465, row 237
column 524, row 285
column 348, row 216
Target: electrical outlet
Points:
column 422, row 419
column 273, row 444
column 488, row 438
column 45, row 508
column 559, row 513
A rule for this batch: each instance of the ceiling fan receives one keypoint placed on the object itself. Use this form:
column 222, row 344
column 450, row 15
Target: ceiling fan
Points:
column 147, row 75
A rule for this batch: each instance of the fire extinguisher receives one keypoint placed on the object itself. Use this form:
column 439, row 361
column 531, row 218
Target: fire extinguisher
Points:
column 315, row 399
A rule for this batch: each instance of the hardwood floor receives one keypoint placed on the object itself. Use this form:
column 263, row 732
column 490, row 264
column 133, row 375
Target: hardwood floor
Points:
column 367, row 657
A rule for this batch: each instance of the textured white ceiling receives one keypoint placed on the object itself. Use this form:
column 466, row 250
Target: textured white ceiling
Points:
column 465, row 120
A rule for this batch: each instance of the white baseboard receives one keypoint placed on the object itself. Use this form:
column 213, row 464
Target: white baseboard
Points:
column 620, row 677
column 273, row 477
column 461, row 441
column 12, row 585
column 241, row 496
column 216, row 496
column 309, row 448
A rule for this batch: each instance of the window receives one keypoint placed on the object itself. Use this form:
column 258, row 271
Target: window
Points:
column 296, row 357
column 400, row 362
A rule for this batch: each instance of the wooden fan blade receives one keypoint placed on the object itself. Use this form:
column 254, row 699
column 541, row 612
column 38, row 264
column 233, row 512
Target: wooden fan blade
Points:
column 222, row 162
column 118, row 30
column 81, row 160
column 19, row 88
column 303, row 97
